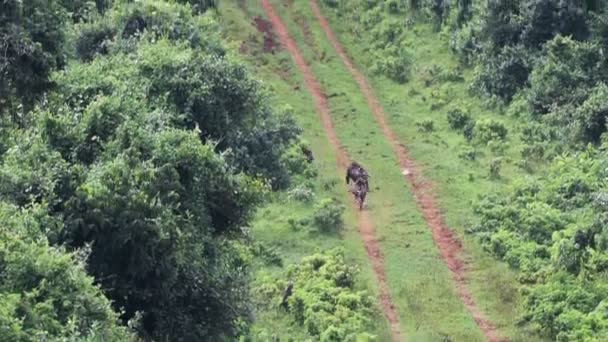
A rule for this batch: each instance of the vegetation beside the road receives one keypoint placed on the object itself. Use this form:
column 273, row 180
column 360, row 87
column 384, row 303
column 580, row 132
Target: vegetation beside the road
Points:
column 153, row 185
column 524, row 90
column 136, row 149
column 295, row 223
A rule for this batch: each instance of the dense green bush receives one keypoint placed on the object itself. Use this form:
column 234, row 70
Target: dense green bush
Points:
column 458, row 118
column 93, row 40
column 153, row 150
column 552, row 230
column 503, row 74
column 487, row 130
column 32, row 38
column 393, row 62
column 564, row 74
column 426, row 126
column 324, row 300
column 328, row 215
column 45, row 292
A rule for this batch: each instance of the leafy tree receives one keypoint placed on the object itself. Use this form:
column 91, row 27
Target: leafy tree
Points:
column 31, row 40
column 152, row 215
column 45, row 292
column 564, row 75
column 503, row 74
column 544, row 19
column 500, row 25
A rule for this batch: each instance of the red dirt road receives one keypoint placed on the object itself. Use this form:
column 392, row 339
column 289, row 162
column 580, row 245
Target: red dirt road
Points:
column 448, row 243
column 366, row 227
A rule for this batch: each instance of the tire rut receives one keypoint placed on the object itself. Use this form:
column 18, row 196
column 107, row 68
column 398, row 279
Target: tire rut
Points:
column 366, row 226
column 449, row 245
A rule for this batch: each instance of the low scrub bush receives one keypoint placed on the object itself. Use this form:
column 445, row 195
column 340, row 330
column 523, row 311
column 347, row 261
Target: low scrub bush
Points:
column 426, row 126
column 324, row 300
column 94, row 40
column 301, row 193
column 552, row 230
column 468, row 154
column 393, row 62
column 495, row 166
column 487, row 130
column 458, row 118
column 328, row 215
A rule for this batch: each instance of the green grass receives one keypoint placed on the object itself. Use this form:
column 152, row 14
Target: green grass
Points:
column 420, row 283
column 458, row 182
column 270, row 226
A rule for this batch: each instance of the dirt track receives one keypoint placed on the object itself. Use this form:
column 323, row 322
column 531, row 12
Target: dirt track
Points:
column 448, row 243
column 366, row 227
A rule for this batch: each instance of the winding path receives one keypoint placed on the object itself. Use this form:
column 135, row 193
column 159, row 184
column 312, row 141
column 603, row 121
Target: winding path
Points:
column 366, row 227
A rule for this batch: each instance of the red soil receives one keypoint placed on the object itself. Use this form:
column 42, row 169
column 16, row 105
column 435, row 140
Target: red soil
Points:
column 446, row 240
column 265, row 27
column 366, row 227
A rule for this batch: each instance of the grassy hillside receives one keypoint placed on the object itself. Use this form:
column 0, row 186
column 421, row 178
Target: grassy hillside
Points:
column 271, row 226
column 156, row 179
column 420, row 283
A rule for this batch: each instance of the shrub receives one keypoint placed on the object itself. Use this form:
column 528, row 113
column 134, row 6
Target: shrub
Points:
column 468, row 154
column 200, row 6
column 295, row 162
column 328, row 215
column 325, row 301
column 534, row 151
column 469, row 131
column 331, row 3
column 495, row 166
column 269, row 255
column 503, row 74
column 46, row 294
column 301, row 193
column 564, row 74
column 458, row 118
column 93, row 40
column 487, row 130
column 426, row 126
column 551, row 229
column 393, row 62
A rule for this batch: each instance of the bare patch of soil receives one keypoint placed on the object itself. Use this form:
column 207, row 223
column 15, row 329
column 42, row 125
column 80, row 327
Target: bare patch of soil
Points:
column 265, row 27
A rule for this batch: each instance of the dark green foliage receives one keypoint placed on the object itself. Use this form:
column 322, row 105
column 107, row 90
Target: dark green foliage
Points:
column 469, row 154
column 465, row 11
column 159, row 19
column 394, row 62
column 200, row 6
column 81, row 10
column 564, row 74
column 426, row 126
column 152, row 152
column 45, row 292
column 495, row 166
column 545, row 18
column 502, row 74
column 31, row 40
column 499, row 23
column 93, row 40
column 458, row 118
column 487, row 130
